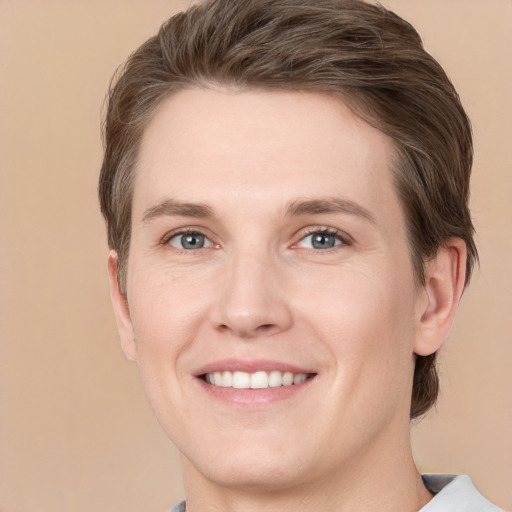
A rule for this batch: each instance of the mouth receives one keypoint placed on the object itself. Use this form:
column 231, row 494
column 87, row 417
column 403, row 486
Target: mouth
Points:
column 253, row 383
column 256, row 380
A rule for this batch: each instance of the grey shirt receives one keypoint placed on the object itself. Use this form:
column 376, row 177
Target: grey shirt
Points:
column 452, row 494
column 455, row 494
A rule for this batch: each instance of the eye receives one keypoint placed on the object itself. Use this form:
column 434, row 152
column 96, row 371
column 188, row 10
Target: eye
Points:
column 320, row 240
column 189, row 241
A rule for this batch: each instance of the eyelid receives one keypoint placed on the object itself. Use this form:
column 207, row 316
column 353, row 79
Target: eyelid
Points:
column 186, row 231
column 342, row 236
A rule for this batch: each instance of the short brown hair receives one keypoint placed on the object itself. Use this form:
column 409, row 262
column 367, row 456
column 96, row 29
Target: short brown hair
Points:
column 363, row 53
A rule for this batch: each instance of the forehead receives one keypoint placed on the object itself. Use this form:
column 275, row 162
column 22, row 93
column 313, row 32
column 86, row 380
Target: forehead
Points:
column 266, row 146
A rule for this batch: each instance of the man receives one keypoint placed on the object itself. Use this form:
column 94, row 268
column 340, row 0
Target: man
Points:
column 285, row 186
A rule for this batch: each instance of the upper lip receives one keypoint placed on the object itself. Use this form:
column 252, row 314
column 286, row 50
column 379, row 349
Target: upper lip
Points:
column 249, row 366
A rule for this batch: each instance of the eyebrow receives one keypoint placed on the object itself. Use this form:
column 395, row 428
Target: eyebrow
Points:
column 300, row 207
column 296, row 208
column 174, row 208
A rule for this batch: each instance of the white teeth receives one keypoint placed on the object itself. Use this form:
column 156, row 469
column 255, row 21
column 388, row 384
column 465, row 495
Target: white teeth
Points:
column 257, row 380
column 275, row 379
column 288, row 379
column 300, row 377
column 241, row 380
column 227, row 379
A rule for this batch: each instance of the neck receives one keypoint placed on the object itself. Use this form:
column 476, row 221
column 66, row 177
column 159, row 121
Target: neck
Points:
column 386, row 480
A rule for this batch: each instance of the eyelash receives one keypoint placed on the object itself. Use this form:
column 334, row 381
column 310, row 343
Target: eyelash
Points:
column 185, row 231
column 345, row 240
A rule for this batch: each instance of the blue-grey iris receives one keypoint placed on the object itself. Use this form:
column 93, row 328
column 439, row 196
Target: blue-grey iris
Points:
column 323, row 241
column 192, row 241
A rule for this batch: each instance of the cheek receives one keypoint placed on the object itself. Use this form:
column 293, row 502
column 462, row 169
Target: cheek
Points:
column 163, row 325
column 365, row 320
column 165, row 313
column 358, row 297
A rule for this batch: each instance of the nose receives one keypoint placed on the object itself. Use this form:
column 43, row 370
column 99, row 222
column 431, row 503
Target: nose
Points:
column 251, row 301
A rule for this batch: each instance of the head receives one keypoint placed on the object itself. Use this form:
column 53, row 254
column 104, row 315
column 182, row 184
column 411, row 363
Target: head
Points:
column 363, row 54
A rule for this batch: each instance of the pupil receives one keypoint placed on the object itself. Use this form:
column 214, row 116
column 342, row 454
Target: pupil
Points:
column 323, row 241
column 192, row 241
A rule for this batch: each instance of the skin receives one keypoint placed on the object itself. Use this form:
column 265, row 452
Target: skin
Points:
column 353, row 315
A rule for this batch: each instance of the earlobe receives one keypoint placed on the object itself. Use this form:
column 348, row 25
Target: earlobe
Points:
column 444, row 283
column 121, row 310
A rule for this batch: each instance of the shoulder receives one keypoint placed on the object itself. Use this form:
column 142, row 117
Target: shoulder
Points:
column 179, row 507
column 455, row 493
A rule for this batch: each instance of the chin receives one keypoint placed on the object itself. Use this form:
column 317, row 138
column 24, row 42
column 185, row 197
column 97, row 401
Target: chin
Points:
column 251, row 475
column 249, row 466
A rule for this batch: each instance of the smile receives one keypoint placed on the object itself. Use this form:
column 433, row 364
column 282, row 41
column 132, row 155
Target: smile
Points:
column 256, row 380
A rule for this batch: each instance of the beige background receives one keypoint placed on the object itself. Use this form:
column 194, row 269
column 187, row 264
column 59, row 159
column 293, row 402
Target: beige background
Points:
column 75, row 432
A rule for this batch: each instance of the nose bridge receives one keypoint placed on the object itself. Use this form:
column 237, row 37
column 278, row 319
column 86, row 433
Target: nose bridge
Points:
column 252, row 302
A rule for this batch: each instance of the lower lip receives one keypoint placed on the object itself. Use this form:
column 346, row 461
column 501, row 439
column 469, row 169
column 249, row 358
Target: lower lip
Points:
column 254, row 397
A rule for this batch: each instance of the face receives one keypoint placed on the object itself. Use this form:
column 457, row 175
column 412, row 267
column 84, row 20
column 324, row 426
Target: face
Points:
column 272, row 307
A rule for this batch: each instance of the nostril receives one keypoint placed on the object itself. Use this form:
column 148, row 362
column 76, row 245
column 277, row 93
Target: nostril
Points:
column 265, row 327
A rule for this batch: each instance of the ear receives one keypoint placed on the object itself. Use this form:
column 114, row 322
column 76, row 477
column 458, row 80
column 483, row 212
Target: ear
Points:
column 444, row 283
column 121, row 310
